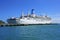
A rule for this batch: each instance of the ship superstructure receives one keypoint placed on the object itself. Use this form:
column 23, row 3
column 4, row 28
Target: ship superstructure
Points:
column 30, row 19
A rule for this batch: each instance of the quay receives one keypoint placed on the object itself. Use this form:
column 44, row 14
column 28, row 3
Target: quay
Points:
column 2, row 25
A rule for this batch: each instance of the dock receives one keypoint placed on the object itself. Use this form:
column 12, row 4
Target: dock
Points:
column 12, row 25
column 3, row 25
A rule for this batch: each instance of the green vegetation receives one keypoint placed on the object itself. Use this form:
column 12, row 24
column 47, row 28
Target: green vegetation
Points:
column 2, row 22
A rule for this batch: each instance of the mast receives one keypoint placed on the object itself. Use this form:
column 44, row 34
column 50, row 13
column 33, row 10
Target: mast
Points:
column 22, row 15
column 28, row 14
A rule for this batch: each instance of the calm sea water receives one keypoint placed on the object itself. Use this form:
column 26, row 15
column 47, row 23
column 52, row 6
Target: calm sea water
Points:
column 32, row 32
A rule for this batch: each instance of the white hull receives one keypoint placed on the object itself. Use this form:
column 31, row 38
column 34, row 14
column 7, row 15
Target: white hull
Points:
column 22, row 21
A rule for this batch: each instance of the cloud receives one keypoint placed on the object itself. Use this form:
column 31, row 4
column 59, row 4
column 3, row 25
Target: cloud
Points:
column 55, row 21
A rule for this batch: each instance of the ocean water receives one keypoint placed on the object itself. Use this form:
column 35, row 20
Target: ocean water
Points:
column 31, row 32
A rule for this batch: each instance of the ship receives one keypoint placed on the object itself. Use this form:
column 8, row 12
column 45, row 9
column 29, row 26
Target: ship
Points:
column 30, row 19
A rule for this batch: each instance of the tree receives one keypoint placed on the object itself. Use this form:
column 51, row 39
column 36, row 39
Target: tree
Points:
column 2, row 22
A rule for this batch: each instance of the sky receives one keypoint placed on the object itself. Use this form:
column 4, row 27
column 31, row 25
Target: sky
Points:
column 14, row 8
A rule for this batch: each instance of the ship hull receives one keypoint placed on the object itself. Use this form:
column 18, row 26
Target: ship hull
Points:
column 22, row 21
column 28, row 21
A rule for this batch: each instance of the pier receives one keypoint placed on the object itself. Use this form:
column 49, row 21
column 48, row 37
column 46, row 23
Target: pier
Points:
column 3, row 25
